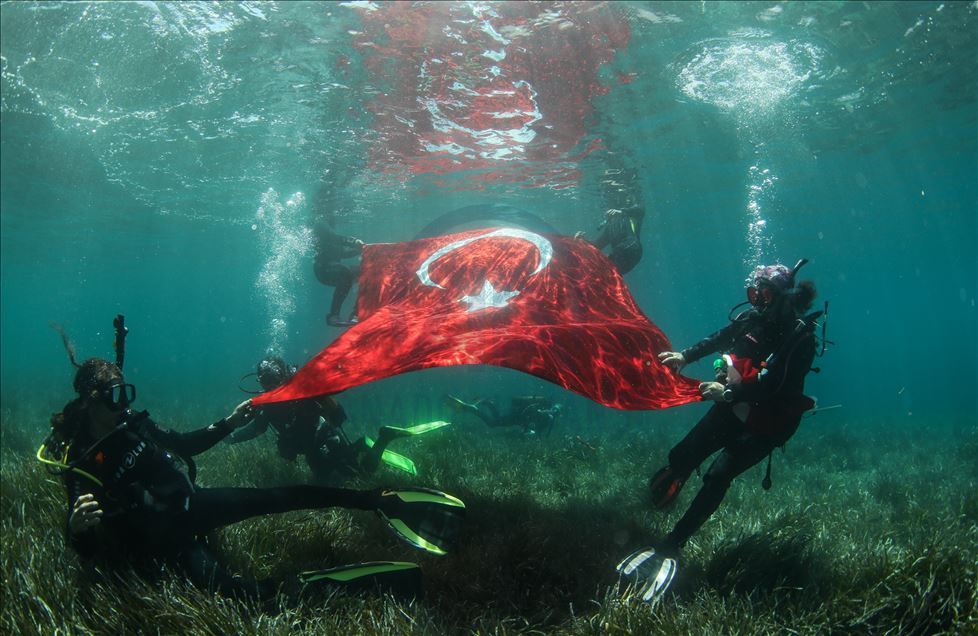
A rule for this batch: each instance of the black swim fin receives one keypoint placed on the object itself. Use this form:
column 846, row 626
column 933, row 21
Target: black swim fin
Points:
column 648, row 574
column 429, row 520
column 399, row 578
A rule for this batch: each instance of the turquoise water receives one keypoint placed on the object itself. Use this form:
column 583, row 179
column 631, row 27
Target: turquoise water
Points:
column 162, row 160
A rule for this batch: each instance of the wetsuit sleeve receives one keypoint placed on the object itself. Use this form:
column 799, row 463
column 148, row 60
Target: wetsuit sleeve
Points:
column 253, row 429
column 784, row 377
column 604, row 236
column 716, row 341
column 188, row 444
column 350, row 247
column 333, row 246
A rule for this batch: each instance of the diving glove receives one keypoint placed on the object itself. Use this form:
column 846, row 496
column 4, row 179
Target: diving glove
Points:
column 673, row 359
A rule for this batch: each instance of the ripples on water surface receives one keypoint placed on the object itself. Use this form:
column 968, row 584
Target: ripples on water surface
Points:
column 180, row 134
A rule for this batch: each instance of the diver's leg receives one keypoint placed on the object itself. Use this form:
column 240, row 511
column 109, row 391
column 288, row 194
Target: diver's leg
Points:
column 367, row 458
column 485, row 410
column 371, row 456
column 354, row 277
column 212, row 508
column 521, row 402
column 207, row 572
column 340, row 277
column 329, row 273
column 704, row 439
column 489, row 413
column 344, row 282
column 388, row 434
column 460, row 405
column 320, row 465
column 627, row 257
column 737, row 457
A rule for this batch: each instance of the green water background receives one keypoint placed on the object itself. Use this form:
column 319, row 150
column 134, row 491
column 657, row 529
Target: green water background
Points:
column 150, row 152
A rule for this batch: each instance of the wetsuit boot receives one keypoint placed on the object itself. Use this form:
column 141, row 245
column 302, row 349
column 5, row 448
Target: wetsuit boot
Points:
column 664, row 487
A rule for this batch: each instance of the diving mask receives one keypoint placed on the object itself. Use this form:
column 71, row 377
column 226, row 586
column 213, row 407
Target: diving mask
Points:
column 118, row 395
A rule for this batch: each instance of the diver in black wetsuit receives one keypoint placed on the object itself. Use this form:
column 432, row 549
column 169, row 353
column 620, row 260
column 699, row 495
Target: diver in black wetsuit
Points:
column 759, row 396
column 312, row 428
column 331, row 248
column 535, row 414
column 132, row 498
column 620, row 230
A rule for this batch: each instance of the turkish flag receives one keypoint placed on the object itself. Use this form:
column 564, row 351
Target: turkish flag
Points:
column 551, row 306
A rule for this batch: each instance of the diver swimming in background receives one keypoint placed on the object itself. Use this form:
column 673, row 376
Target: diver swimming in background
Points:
column 314, row 428
column 759, row 401
column 620, row 231
column 132, row 497
column 533, row 413
column 331, row 248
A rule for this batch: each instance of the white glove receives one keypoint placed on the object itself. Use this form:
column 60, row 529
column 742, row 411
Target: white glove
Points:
column 673, row 359
column 712, row 391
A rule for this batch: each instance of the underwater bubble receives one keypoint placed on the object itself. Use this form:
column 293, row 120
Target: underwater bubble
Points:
column 284, row 240
column 748, row 74
column 760, row 195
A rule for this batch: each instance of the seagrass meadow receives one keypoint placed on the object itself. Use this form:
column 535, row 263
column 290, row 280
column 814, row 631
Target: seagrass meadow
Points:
column 861, row 534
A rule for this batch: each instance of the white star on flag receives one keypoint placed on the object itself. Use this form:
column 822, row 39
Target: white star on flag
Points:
column 488, row 297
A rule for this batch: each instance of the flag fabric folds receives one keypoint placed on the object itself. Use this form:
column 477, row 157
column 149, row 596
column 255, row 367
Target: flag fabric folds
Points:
column 551, row 306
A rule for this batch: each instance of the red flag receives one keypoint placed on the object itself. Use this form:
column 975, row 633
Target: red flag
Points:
column 551, row 306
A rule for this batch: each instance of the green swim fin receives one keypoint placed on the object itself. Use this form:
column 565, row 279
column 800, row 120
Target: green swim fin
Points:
column 418, row 429
column 393, row 459
column 397, row 577
column 429, row 520
column 460, row 405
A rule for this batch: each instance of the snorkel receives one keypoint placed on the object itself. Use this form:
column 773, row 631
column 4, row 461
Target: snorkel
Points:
column 121, row 331
column 794, row 270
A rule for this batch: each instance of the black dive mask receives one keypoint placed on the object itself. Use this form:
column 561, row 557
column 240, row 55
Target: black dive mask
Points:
column 118, row 396
column 761, row 295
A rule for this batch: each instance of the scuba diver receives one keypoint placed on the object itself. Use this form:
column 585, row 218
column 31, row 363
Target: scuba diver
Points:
column 620, row 230
column 132, row 499
column 314, row 428
column 759, row 402
column 535, row 414
column 331, row 248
